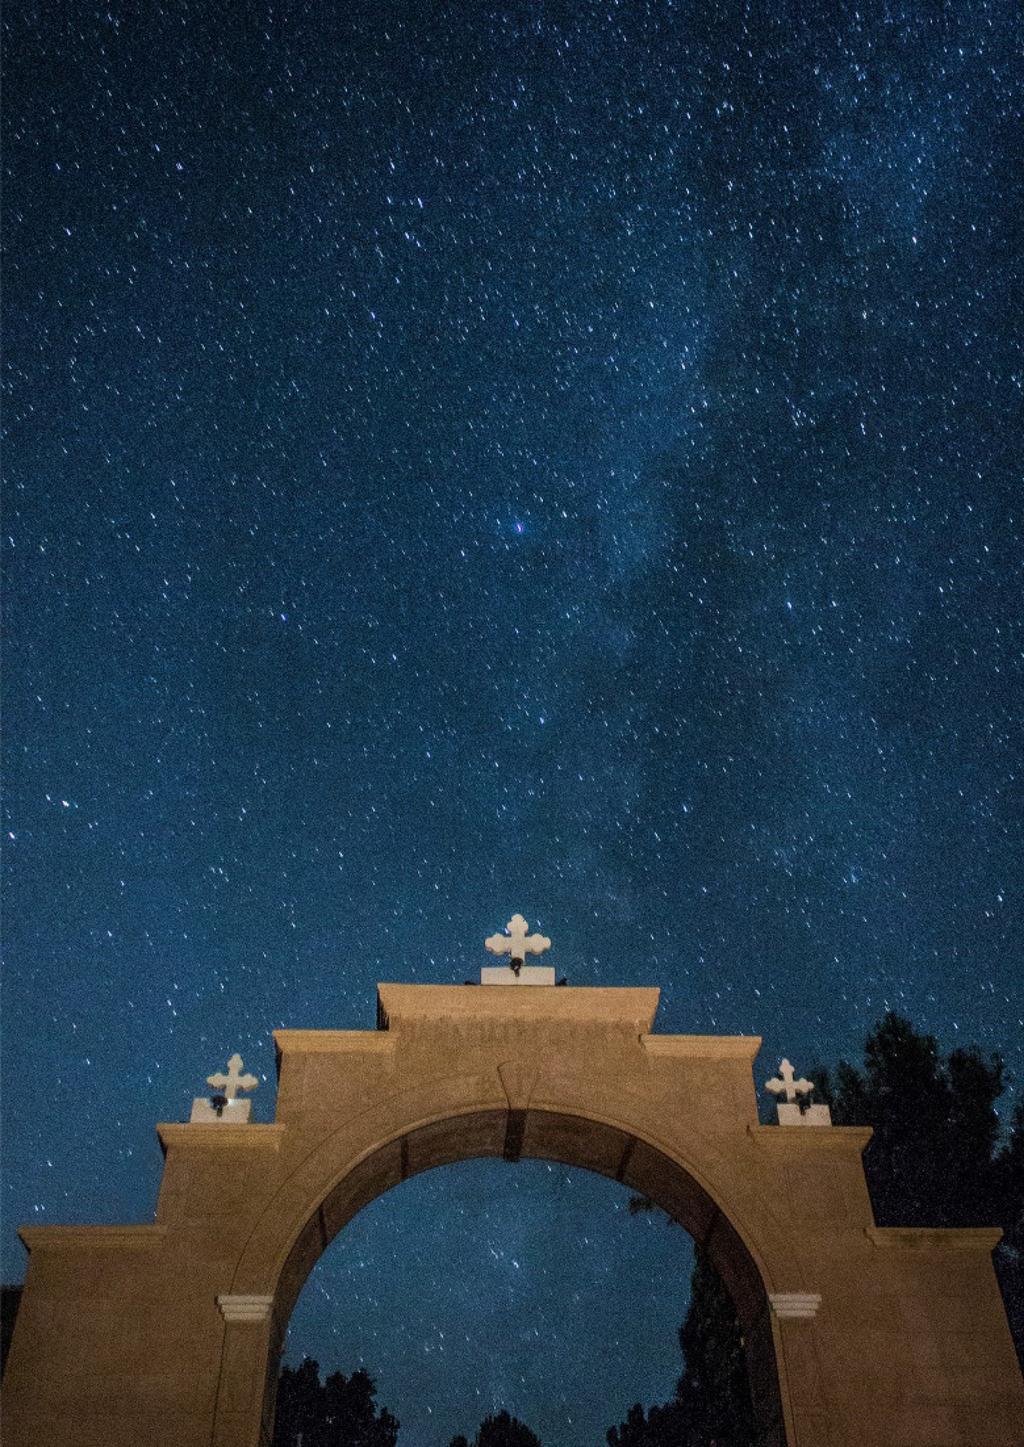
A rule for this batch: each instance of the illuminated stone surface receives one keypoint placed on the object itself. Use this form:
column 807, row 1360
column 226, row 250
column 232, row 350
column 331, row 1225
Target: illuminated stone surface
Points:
column 856, row 1336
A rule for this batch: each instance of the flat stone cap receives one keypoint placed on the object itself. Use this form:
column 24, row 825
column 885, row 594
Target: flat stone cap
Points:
column 608, row 1006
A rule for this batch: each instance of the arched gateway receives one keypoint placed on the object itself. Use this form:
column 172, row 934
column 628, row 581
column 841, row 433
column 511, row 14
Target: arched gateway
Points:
column 169, row 1334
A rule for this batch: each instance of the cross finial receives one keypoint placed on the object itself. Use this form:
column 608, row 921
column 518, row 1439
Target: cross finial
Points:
column 517, row 944
column 229, row 1085
column 787, row 1086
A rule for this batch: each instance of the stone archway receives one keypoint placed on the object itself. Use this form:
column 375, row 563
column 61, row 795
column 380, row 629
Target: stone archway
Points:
column 170, row 1333
column 586, row 1143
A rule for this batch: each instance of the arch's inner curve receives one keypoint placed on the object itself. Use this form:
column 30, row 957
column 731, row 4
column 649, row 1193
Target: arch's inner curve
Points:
column 570, row 1140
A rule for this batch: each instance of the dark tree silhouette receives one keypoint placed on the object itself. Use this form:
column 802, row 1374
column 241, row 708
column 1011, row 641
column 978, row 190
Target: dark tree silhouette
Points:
column 299, row 1414
column 339, row 1413
column 934, row 1159
column 657, row 1427
column 713, row 1393
column 931, row 1161
column 502, row 1430
column 711, row 1406
column 1009, row 1254
column 10, row 1300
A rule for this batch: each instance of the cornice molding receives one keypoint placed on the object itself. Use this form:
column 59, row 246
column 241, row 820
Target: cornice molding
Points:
column 814, row 1140
column 219, row 1135
column 702, row 1047
column 952, row 1238
column 334, row 1042
column 65, row 1238
column 454, row 1008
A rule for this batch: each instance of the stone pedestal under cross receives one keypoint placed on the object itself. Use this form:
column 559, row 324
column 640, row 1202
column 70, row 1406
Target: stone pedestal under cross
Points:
column 788, row 1110
column 224, row 1105
column 517, row 944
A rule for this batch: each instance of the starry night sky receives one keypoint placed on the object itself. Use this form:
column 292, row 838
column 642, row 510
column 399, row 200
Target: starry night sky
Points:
column 473, row 458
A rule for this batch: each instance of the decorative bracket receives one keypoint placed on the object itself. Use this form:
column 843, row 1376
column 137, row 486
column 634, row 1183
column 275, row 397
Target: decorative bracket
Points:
column 245, row 1308
column 794, row 1305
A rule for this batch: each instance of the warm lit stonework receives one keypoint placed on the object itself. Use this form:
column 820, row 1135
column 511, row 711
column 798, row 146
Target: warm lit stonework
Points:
column 169, row 1334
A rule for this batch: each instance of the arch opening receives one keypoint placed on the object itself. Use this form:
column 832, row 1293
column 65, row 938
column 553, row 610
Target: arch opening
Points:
column 568, row 1140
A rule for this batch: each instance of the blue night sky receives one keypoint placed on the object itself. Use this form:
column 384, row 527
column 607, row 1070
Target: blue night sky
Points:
column 474, row 458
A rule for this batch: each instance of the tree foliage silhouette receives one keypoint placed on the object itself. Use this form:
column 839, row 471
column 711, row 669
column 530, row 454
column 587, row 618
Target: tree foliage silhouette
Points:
column 713, row 1393
column 338, row 1413
column 932, row 1159
column 711, row 1406
column 1009, row 1254
column 502, row 1430
column 935, row 1157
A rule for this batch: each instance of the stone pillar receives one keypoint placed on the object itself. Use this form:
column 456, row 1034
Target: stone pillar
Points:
column 798, row 1351
column 105, row 1349
column 244, row 1409
column 906, row 1342
column 940, row 1352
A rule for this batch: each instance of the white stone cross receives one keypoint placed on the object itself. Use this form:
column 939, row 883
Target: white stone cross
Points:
column 787, row 1086
column 229, row 1085
column 517, row 944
